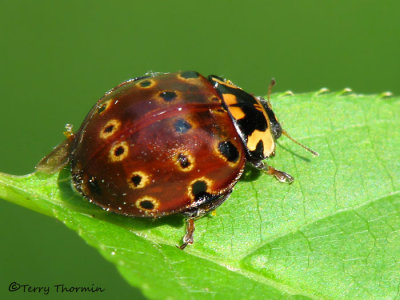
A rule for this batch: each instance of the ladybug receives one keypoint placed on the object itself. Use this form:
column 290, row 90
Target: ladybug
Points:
column 169, row 143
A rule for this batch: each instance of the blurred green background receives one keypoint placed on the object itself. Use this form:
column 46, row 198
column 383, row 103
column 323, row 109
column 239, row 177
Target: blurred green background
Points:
column 58, row 57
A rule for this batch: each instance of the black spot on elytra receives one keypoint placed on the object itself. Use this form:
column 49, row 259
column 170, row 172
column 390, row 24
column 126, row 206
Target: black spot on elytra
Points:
column 136, row 179
column 168, row 96
column 101, row 108
column 146, row 204
column 199, row 189
column 183, row 160
column 141, row 77
column 229, row 151
column 109, row 129
column 119, row 151
column 93, row 186
column 182, row 126
column 145, row 83
column 189, row 74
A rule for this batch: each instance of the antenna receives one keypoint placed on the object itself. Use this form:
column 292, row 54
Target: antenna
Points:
column 284, row 132
column 270, row 86
column 298, row 143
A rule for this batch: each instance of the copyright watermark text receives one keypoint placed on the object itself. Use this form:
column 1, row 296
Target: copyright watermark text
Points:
column 56, row 288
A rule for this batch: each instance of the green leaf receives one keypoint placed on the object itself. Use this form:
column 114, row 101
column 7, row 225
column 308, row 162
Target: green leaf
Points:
column 333, row 233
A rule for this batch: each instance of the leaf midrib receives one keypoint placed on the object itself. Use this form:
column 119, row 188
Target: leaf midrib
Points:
column 236, row 267
column 231, row 266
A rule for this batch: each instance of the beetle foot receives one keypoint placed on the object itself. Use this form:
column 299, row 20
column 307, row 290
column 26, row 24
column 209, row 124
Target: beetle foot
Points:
column 280, row 175
column 188, row 238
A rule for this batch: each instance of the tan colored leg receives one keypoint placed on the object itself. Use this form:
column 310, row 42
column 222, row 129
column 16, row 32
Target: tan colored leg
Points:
column 188, row 238
column 280, row 175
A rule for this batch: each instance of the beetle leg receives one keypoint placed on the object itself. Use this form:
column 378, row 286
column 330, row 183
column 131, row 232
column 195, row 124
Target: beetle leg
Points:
column 195, row 213
column 188, row 237
column 280, row 175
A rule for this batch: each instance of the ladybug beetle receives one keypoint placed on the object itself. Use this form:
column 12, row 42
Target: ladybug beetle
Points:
column 169, row 143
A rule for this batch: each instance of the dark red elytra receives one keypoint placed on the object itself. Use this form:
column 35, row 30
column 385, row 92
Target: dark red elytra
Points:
column 168, row 143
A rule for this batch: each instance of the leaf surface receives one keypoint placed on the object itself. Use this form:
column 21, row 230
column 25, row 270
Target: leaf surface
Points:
column 333, row 233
